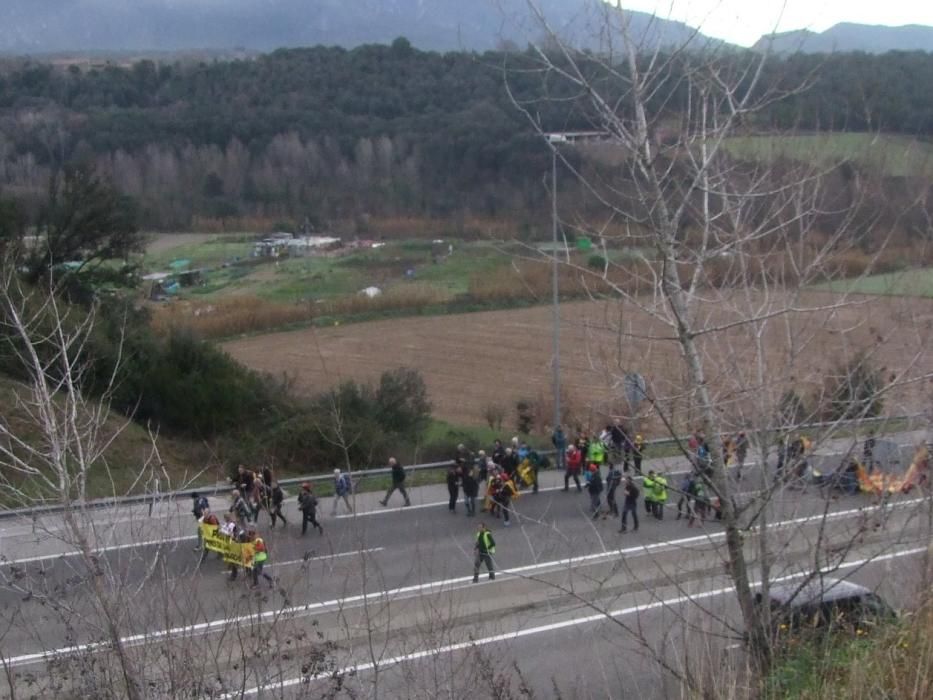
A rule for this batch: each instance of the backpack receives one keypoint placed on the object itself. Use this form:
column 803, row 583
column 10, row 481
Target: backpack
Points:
column 200, row 505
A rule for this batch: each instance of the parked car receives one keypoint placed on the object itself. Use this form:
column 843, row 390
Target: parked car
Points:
column 825, row 604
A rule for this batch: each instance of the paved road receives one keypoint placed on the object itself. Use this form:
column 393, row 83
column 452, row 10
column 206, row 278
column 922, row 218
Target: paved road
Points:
column 394, row 584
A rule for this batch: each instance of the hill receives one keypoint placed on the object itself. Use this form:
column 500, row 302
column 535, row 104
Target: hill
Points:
column 123, row 461
column 847, row 36
column 109, row 25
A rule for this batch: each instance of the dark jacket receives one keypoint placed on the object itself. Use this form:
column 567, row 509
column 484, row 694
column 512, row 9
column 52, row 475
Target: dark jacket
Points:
column 398, row 474
column 453, row 481
column 595, row 485
column 631, row 495
column 307, row 502
column 470, row 485
column 278, row 496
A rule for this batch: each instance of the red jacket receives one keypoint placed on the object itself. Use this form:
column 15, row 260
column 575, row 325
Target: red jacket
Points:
column 574, row 461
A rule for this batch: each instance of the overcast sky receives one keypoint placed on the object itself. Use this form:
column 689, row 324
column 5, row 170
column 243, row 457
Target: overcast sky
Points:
column 744, row 21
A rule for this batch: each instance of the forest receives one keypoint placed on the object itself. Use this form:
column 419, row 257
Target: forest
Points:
column 323, row 134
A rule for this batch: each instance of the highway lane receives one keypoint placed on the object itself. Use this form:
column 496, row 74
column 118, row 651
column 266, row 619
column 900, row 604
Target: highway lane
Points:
column 405, row 552
column 559, row 529
column 127, row 525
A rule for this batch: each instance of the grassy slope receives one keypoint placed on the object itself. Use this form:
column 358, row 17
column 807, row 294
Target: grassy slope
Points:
column 123, row 461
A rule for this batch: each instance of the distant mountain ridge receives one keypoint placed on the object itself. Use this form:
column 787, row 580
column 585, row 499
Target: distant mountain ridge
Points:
column 30, row 26
column 847, row 36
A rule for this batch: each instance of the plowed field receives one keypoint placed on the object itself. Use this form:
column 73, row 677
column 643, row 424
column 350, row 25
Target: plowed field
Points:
column 474, row 360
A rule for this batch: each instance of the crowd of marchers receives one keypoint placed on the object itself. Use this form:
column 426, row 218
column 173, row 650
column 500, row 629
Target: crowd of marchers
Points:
column 604, row 464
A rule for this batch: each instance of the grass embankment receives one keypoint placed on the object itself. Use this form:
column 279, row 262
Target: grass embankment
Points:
column 892, row 661
column 118, row 472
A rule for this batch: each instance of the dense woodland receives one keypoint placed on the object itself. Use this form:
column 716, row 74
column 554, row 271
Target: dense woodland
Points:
column 389, row 131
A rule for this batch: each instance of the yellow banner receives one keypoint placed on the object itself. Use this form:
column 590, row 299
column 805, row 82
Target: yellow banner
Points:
column 239, row 553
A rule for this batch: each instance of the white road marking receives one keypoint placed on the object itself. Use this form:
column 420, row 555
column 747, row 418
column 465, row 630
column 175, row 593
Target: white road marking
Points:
column 307, row 609
column 517, row 634
column 99, row 550
column 305, row 560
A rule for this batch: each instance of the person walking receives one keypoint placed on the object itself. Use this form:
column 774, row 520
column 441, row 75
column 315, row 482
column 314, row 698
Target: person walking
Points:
column 574, row 464
column 260, row 557
column 660, row 495
column 686, row 491
column 398, row 482
column 470, row 486
column 484, row 549
column 596, row 453
column 613, row 479
column 649, row 486
column 307, row 504
column 638, row 452
column 239, row 507
column 559, row 440
column 504, row 497
column 276, row 501
column 453, row 488
column 199, row 506
column 595, row 488
column 629, row 504
column 342, row 490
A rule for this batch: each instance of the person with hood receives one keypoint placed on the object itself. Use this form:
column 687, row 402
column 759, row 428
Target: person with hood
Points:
column 307, row 504
column 398, row 482
column 342, row 491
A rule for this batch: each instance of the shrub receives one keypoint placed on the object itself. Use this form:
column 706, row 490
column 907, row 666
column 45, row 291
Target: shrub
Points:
column 851, row 390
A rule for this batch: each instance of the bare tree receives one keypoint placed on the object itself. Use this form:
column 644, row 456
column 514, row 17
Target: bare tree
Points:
column 728, row 251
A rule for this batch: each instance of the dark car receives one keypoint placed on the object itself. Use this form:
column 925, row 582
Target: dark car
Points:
column 825, row 604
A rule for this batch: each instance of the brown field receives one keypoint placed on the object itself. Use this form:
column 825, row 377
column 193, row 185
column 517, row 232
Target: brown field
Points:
column 472, row 361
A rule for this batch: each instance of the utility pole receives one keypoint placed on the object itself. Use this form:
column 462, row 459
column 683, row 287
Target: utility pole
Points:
column 554, row 283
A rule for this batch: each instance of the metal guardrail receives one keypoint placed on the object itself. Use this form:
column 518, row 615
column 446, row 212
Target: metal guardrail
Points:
column 358, row 475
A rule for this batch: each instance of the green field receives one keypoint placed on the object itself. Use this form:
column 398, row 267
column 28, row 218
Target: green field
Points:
column 914, row 283
column 891, row 155
column 229, row 269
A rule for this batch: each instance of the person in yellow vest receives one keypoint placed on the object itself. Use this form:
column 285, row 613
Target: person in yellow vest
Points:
column 484, row 548
column 660, row 495
column 649, row 487
column 260, row 558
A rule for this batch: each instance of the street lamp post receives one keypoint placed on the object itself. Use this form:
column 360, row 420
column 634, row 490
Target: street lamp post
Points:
column 554, row 284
